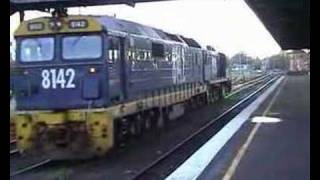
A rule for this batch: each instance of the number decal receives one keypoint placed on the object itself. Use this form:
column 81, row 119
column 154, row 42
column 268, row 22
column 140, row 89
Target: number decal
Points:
column 54, row 78
column 53, row 75
column 71, row 73
column 45, row 79
column 60, row 78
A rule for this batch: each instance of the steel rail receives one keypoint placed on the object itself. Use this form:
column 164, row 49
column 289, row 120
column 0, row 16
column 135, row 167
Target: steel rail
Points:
column 31, row 167
column 15, row 150
column 248, row 85
column 240, row 85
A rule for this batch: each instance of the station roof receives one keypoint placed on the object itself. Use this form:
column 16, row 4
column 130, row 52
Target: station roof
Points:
column 22, row 5
column 287, row 20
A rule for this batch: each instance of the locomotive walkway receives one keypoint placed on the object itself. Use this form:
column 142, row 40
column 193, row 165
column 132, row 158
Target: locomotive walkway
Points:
column 276, row 147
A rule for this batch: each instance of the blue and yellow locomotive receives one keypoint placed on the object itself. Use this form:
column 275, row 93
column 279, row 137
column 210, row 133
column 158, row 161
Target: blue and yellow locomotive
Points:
column 84, row 83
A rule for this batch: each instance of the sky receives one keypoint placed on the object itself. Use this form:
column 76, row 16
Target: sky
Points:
column 228, row 25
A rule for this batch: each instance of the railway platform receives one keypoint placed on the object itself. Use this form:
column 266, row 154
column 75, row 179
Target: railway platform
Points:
column 276, row 147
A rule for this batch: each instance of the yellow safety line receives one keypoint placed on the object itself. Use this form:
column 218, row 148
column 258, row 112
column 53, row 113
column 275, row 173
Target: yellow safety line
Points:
column 235, row 162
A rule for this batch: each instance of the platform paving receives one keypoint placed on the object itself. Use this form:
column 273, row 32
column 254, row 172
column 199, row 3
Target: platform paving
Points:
column 276, row 150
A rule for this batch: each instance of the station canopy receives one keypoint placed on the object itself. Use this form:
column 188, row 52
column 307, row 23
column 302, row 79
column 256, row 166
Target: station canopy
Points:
column 287, row 20
column 22, row 5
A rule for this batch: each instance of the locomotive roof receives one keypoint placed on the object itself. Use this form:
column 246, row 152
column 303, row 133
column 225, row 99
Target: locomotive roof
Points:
column 43, row 26
column 111, row 23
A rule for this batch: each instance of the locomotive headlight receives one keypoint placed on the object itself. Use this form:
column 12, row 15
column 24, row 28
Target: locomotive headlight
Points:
column 51, row 24
column 55, row 25
column 59, row 24
column 92, row 70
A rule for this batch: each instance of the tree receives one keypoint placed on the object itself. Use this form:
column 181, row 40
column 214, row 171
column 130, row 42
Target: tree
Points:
column 244, row 59
column 278, row 61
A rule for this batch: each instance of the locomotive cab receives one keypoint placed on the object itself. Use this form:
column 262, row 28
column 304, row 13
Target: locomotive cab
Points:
column 60, row 79
column 61, row 70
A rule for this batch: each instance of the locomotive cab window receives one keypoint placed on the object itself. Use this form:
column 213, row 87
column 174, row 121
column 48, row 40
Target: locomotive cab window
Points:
column 157, row 50
column 37, row 49
column 81, row 47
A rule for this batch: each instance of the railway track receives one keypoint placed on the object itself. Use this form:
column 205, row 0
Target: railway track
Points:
column 237, row 79
column 13, row 141
column 13, row 148
column 30, row 167
column 14, row 151
column 240, row 87
column 165, row 164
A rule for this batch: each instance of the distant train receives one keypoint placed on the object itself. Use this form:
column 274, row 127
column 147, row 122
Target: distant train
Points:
column 298, row 66
column 82, row 84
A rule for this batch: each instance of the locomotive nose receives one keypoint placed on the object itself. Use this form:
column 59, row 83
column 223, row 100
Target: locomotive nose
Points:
column 47, row 88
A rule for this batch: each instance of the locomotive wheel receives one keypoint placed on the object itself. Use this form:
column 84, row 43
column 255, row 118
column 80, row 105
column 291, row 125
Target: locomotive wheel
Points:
column 120, row 137
column 153, row 118
column 198, row 101
column 188, row 105
column 223, row 92
column 212, row 97
column 202, row 99
column 136, row 125
column 133, row 128
column 205, row 99
column 139, row 124
column 147, row 121
column 162, row 118
column 216, row 95
column 122, row 129
column 193, row 102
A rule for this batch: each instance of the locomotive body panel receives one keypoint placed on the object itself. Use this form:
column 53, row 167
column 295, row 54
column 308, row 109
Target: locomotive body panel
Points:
column 41, row 90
